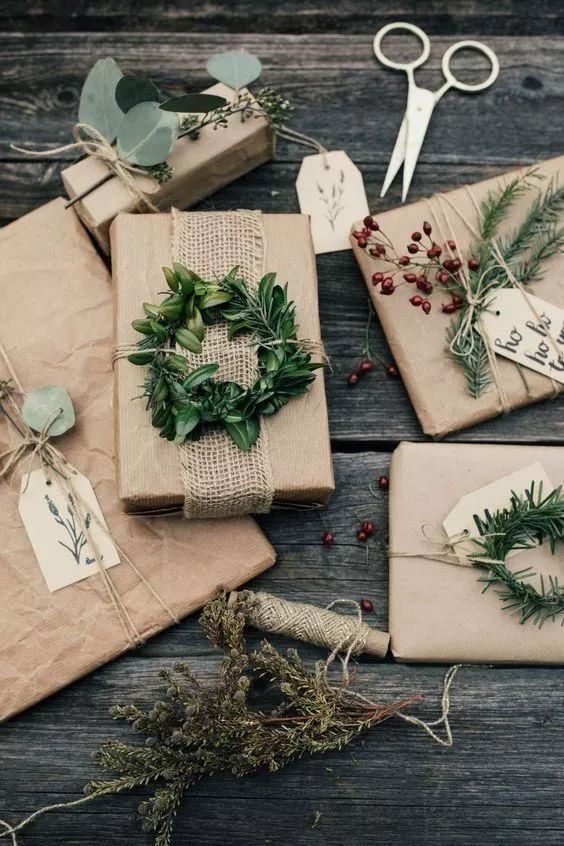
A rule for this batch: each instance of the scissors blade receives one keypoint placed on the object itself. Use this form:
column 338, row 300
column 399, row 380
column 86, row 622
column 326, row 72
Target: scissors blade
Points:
column 398, row 156
column 419, row 110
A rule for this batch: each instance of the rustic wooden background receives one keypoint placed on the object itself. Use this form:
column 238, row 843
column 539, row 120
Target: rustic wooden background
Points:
column 502, row 782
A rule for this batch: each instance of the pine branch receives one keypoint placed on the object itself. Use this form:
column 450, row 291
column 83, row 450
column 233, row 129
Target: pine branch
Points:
column 472, row 357
column 546, row 245
column 497, row 204
column 542, row 217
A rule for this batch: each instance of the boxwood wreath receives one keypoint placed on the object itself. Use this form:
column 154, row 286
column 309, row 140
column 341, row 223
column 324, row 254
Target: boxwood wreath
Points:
column 529, row 521
column 183, row 401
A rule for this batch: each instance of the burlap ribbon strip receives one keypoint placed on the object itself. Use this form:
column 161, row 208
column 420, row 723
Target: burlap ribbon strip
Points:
column 221, row 480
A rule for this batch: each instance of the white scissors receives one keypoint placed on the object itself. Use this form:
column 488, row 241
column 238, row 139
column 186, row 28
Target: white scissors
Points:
column 420, row 101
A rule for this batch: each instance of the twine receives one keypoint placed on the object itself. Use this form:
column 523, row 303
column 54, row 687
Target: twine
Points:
column 97, row 146
column 221, row 480
column 58, row 470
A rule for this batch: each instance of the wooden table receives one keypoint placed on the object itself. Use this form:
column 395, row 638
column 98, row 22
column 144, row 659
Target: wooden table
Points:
column 502, row 781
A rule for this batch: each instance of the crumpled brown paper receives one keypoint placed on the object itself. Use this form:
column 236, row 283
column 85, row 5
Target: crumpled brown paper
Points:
column 437, row 610
column 56, row 327
column 434, row 381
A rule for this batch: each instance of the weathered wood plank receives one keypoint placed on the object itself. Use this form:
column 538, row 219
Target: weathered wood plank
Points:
column 505, row 18
column 498, row 784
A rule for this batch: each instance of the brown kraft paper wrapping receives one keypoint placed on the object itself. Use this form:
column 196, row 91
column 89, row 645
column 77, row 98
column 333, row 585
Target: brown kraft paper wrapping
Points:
column 437, row 610
column 148, row 466
column 434, row 381
column 48, row 640
column 201, row 167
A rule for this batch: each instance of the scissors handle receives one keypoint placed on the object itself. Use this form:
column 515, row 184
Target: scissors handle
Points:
column 404, row 66
column 453, row 82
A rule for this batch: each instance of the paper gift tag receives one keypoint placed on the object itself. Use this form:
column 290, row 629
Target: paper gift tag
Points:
column 515, row 332
column 331, row 190
column 465, row 515
column 50, row 518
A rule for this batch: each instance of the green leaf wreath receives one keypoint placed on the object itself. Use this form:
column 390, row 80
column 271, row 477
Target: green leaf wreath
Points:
column 183, row 401
column 529, row 520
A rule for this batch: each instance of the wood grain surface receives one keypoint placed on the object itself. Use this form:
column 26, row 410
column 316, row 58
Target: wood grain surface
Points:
column 502, row 781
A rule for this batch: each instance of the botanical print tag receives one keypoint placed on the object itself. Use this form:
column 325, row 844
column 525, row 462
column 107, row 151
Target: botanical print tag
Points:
column 331, row 190
column 465, row 516
column 515, row 333
column 50, row 520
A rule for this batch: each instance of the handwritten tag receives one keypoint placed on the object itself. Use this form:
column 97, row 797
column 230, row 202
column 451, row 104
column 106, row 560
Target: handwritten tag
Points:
column 53, row 520
column 331, row 190
column 515, row 332
column 465, row 516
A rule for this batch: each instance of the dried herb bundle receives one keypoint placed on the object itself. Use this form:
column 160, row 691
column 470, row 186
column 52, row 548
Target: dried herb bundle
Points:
column 198, row 730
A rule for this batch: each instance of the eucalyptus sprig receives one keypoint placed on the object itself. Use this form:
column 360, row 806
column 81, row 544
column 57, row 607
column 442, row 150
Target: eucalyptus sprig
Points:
column 198, row 730
column 182, row 401
column 529, row 520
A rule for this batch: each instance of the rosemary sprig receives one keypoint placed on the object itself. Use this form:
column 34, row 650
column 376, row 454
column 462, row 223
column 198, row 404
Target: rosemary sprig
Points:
column 197, row 730
column 529, row 521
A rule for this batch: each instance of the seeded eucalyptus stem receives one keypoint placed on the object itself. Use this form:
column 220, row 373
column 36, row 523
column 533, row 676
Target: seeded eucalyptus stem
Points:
column 182, row 401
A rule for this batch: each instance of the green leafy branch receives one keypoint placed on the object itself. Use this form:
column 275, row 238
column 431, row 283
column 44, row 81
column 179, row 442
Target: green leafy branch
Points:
column 198, row 730
column 525, row 251
column 528, row 522
column 183, row 401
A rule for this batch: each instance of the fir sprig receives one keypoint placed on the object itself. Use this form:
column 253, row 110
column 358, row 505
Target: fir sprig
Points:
column 529, row 521
column 183, row 401
column 198, row 730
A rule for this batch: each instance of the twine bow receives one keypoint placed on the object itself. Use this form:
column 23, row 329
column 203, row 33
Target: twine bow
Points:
column 91, row 142
column 58, row 470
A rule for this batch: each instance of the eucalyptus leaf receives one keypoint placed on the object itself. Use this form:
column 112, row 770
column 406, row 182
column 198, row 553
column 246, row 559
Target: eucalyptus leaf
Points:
column 49, row 409
column 146, row 135
column 186, row 421
column 234, row 68
column 196, row 377
column 188, row 340
column 132, row 90
column 245, row 433
column 194, row 103
column 98, row 107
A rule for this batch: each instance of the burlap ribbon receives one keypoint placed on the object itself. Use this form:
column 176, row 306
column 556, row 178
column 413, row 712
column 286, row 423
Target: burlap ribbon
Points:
column 30, row 447
column 91, row 142
column 221, row 480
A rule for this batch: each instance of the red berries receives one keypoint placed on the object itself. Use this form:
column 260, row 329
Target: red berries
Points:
column 362, row 536
column 416, row 300
column 416, row 236
column 427, row 228
column 392, row 371
column 377, row 278
column 370, row 223
column 403, row 261
column 383, row 483
column 442, row 277
column 451, row 245
column 366, row 366
column 368, row 528
column 473, row 264
column 328, row 538
column 424, row 285
column 412, row 248
column 366, row 606
column 362, row 242
column 353, row 379
column 410, row 277
column 426, row 306
column 388, row 286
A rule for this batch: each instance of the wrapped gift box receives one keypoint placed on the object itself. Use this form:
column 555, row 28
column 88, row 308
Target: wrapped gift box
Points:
column 434, row 381
column 438, row 612
column 56, row 328
column 201, row 167
column 148, row 466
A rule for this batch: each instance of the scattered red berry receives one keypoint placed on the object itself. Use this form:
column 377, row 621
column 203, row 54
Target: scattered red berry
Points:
column 362, row 536
column 353, row 379
column 388, row 286
column 383, row 483
column 328, row 538
column 416, row 300
column 426, row 306
column 416, row 236
column 442, row 277
column 366, row 366
column 424, row 285
column 456, row 264
column 366, row 606
column 412, row 248
column 473, row 264
column 357, row 234
column 368, row 527
column 451, row 245
column 403, row 261
column 377, row 278
column 362, row 242
column 410, row 277
column 457, row 301
column 392, row 371
column 370, row 223
column 427, row 228
column 448, row 308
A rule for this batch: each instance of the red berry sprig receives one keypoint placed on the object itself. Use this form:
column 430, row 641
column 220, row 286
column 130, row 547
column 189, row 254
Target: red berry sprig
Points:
column 367, row 362
column 423, row 265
